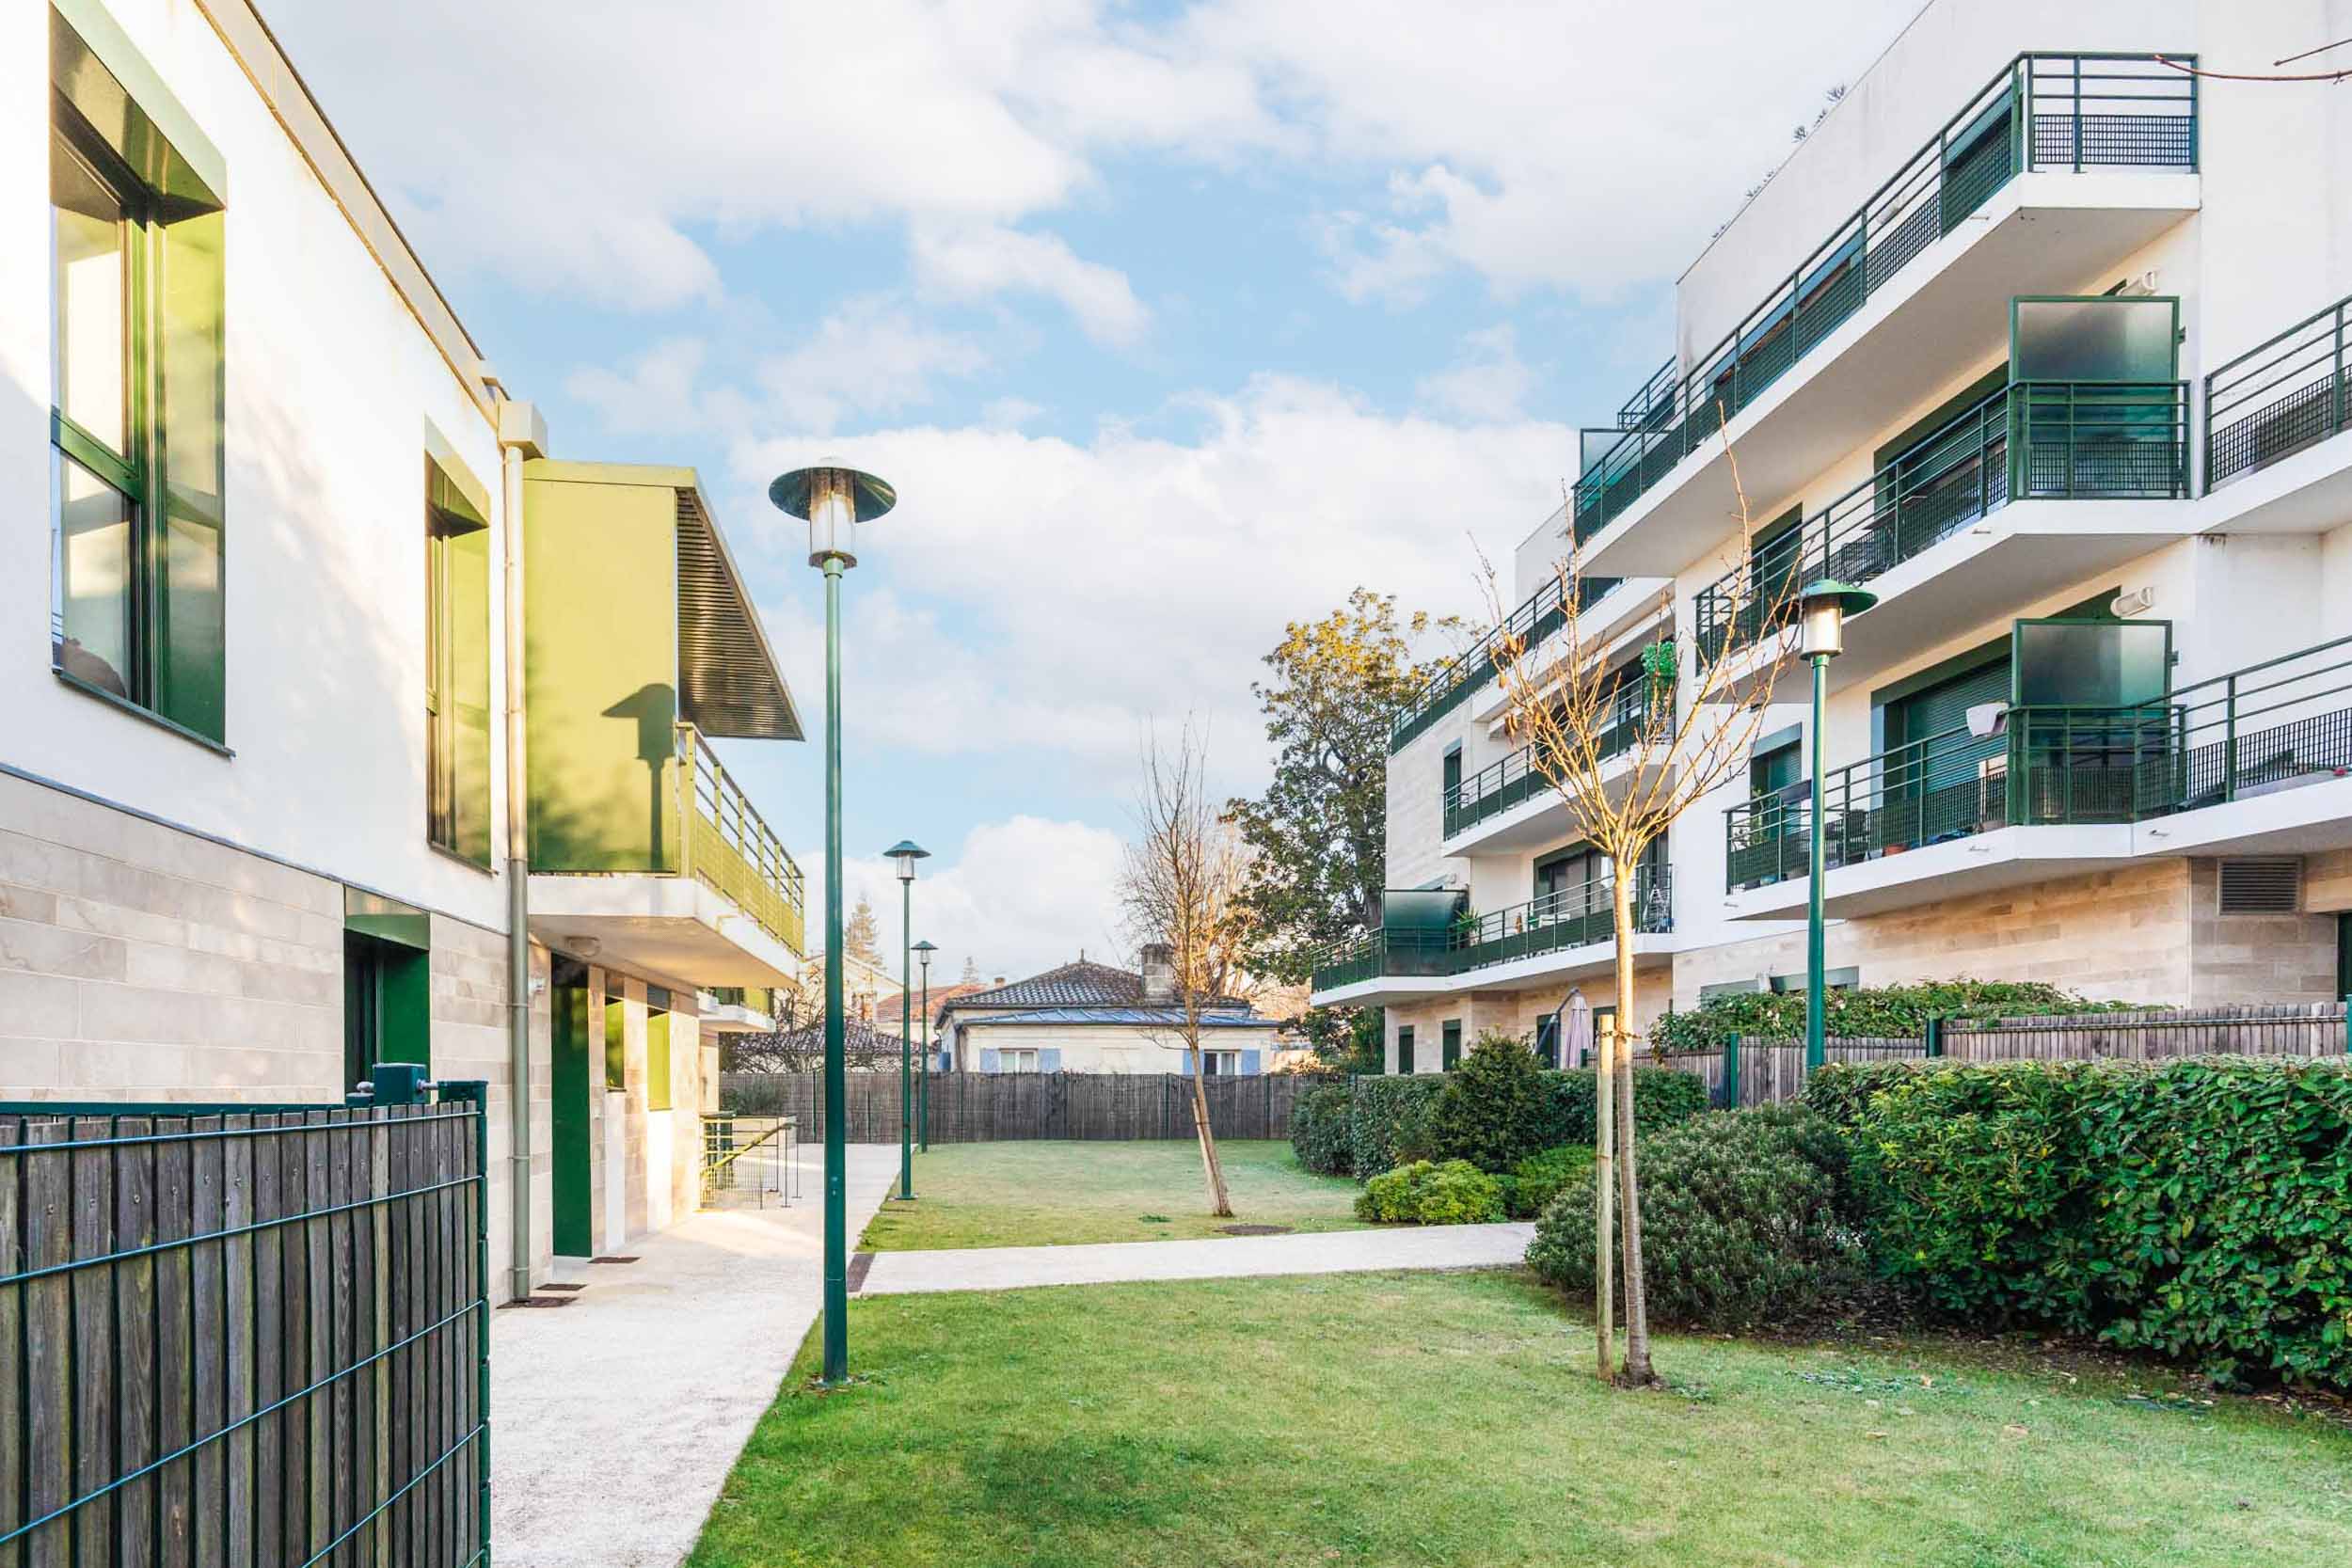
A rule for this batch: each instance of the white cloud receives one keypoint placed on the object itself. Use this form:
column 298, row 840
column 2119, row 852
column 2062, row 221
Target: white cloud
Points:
column 974, row 264
column 1017, row 897
column 1489, row 382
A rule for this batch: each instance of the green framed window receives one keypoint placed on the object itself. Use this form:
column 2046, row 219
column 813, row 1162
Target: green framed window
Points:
column 1404, row 1048
column 458, row 661
column 1450, row 1044
column 138, row 604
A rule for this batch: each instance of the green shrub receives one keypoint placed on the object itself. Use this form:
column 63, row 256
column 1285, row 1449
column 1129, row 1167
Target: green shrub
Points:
column 1740, row 1223
column 1535, row 1181
column 1495, row 1109
column 1841, row 1090
column 1662, row 1097
column 1321, row 1121
column 1428, row 1193
column 1879, row 1012
column 1389, row 1120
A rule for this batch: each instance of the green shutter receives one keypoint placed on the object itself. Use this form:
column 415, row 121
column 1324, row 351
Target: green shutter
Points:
column 656, row 1061
column 1450, row 1044
column 616, row 1042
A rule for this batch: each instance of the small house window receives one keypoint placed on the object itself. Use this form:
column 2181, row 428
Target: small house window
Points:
column 1017, row 1061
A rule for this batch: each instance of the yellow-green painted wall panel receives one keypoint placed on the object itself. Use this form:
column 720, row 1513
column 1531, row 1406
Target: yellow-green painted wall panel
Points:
column 600, row 633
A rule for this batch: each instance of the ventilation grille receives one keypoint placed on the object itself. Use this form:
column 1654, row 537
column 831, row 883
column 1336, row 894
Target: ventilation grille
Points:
column 2262, row 887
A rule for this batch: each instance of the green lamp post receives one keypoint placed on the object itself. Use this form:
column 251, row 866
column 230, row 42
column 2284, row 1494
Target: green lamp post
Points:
column 904, row 854
column 837, row 501
column 1821, row 611
column 923, row 950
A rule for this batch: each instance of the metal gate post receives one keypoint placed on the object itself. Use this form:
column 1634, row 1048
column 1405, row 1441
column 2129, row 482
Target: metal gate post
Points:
column 1934, row 1035
column 476, row 1092
column 1732, row 1073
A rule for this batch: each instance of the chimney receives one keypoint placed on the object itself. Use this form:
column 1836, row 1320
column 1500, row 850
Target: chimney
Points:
column 1159, row 974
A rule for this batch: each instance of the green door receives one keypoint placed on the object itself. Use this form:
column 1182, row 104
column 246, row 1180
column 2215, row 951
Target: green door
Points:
column 1450, row 1044
column 2343, row 955
column 387, row 1005
column 570, row 1086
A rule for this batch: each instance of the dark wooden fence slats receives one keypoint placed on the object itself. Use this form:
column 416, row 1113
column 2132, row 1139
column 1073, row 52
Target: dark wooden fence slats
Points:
column 982, row 1107
column 207, row 1266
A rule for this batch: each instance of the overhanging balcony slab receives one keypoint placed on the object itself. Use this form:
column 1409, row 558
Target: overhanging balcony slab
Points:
column 2299, row 817
column 1651, row 950
column 676, row 927
column 2007, row 857
column 732, row 1018
column 1543, row 816
column 1616, row 624
column 1947, row 312
column 2310, row 492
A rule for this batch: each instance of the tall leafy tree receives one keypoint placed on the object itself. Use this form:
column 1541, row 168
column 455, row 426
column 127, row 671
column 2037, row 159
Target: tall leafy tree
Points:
column 1319, row 833
column 860, row 935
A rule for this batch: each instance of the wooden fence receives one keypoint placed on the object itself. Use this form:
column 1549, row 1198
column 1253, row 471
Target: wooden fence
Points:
column 1762, row 1071
column 986, row 1107
column 244, row 1339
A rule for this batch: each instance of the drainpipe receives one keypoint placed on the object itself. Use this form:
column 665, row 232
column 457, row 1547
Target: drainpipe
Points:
column 522, row 434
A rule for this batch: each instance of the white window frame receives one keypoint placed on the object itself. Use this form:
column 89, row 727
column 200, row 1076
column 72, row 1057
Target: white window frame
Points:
column 1230, row 1060
column 1018, row 1058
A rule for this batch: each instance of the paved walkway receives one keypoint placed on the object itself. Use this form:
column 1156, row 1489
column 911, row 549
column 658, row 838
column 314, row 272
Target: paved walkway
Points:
column 1436, row 1247
column 616, row 1419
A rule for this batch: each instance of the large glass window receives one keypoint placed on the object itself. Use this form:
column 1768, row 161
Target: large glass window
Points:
column 136, row 264
column 457, row 667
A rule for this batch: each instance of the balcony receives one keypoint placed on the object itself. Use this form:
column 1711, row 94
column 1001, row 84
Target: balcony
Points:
column 1510, row 803
column 2099, row 152
column 2259, row 760
column 737, row 1009
column 2271, row 414
column 642, row 646
column 2035, row 441
column 1567, row 933
column 1545, row 612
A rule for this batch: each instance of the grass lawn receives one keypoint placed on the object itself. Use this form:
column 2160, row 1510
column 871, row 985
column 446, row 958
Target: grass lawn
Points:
column 1453, row 1419
column 1046, row 1193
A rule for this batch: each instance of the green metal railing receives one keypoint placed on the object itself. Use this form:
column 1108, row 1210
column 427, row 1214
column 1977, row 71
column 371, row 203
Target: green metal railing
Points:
column 2035, row 440
column 2280, row 396
column 1574, row 917
column 730, row 846
column 2044, row 112
column 2276, row 725
column 1500, row 785
column 246, row 1333
column 1544, row 613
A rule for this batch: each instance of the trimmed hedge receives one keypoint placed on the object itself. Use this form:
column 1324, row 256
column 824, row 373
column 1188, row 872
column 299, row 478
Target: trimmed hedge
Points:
column 1535, row 1181
column 1743, row 1222
column 1841, row 1091
column 1873, row 1012
column 1495, row 1109
column 1391, row 1118
column 1320, row 1124
column 1429, row 1192
column 2196, row 1208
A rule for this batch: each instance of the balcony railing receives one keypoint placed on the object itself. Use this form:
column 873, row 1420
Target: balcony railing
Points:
column 2034, row 440
column 1500, row 785
column 2269, row 727
column 1574, row 917
column 2280, row 396
column 1543, row 613
column 729, row 846
column 2043, row 112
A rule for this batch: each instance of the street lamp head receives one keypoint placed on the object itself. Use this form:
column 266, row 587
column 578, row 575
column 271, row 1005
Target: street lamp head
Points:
column 906, row 852
column 1822, row 608
column 836, row 501
column 922, row 951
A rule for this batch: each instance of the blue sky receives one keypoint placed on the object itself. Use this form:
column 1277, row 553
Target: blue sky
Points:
column 1169, row 322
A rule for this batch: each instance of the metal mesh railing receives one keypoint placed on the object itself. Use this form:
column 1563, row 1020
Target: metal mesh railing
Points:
column 2057, row 111
column 1577, row 917
column 1545, row 612
column 244, row 1336
column 730, row 847
column 2279, row 396
column 1513, row 780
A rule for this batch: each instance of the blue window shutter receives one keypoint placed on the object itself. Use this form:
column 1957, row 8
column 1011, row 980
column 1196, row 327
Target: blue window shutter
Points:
column 1049, row 1060
column 1249, row 1060
column 987, row 1061
column 1183, row 1062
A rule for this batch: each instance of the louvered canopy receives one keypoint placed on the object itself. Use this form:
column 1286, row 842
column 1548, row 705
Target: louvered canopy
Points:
column 728, row 682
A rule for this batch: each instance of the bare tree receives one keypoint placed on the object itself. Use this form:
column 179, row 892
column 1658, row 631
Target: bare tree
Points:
column 1627, row 758
column 1181, row 886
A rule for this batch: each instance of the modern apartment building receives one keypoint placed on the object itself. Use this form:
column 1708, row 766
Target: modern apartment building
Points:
column 2043, row 339
column 276, row 753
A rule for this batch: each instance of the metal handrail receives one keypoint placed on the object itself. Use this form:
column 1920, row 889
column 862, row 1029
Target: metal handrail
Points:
column 2276, row 724
column 1579, row 916
column 1543, row 613
column 2044, row 96
column 730, row 845
column 1501, row 784
column 2265, row 405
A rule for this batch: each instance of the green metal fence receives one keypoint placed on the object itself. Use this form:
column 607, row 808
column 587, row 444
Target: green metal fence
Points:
column 245, row 1334
column 1577, row 916
column 2043, row 112
column 2279, row 396
column 1545, row 612
column 2279, row 725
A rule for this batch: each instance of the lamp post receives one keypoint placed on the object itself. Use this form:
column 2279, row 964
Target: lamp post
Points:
column 923, row 950
column 905, row 853
column 837, row 501
column 1822, row 609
